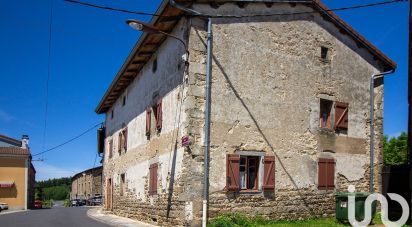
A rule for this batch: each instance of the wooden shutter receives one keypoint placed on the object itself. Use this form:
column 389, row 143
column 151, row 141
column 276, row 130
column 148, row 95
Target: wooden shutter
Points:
column 153, row 179
column 148, row 120
column 119, row 143
column 269, row 173
column 110, row 148
column 326, row 174
column 159, row 115
column 341, row 115
column 125, row 139
column 232, row 172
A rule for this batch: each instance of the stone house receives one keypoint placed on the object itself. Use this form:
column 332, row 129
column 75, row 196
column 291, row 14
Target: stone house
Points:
column 17, row 173
column 87, row 184
column 289, row 114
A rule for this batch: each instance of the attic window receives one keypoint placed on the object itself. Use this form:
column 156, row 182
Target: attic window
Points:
column 112, row 114
column 324, row 53
column 154, row 66
column 124, row 101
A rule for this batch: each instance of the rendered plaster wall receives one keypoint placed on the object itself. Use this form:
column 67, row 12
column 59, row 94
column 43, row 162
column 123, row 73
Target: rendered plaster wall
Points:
column 167, row 82
column 268, row 79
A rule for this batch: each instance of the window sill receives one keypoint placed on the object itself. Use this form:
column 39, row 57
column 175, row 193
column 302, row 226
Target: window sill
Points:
column 250, row 192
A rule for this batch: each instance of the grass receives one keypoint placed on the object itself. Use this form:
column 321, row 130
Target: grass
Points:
column 238, row 220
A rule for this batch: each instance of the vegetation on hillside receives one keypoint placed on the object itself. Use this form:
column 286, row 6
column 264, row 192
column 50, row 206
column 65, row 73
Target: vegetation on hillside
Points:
column 53, row 189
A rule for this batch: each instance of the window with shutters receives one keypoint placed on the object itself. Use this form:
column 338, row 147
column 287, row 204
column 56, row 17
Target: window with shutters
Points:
column 153, row 179
column 326, row 174
column 120, row 143
column 341, row 117
column 154, row 118
column 124, row 139
column 242, row 173
column 325, row 114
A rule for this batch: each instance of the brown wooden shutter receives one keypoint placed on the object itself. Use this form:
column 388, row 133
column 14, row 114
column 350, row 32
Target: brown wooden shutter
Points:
column 341, row 115
column 232, row 172
column 269, row 173
column 153, row 179
column 110, row 148
column 125, row 139
column 326, row 174
column 148, row 120
column 159, row 115
column 119, row 143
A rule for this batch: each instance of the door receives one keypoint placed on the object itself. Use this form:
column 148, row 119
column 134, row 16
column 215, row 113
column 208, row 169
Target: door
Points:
column 109, row 198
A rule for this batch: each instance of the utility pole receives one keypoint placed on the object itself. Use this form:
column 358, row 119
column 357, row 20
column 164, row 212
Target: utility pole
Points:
column 410, row 101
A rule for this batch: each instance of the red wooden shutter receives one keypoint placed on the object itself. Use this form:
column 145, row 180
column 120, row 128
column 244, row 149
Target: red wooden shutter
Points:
column 159, row 115
column 232, row 172
column 269, row 173
column 148, row 120
column 153, row 179
column 326, row 174
column 341, row 115
column 125, row 139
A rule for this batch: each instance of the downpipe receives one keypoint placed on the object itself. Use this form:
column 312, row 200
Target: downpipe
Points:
column 372, row 124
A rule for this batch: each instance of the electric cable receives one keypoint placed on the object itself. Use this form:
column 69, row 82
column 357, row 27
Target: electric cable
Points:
column 68, row 141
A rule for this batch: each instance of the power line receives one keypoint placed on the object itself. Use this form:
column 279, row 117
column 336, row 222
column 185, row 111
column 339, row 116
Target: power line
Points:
column 115, row 9
column 68, row 141
column 239, row 16
column 48, row 73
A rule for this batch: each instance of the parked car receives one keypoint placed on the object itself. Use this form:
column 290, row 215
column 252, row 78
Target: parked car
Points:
column 96, row 201
column 75, row 203
column 37, row 204
column 82, row 202
column 3, row 206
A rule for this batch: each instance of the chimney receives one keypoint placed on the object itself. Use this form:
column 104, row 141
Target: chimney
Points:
column 25, row 141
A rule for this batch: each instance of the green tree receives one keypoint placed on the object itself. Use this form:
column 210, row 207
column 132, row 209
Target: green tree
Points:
column 395, row 150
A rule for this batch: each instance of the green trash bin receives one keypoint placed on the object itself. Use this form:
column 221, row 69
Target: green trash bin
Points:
column 341, row 199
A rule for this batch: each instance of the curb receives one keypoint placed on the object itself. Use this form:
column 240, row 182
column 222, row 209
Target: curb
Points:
column 12, row 211
column 114, row 220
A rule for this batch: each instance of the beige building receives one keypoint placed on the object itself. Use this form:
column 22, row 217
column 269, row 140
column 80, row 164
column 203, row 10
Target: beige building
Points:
column 289, row 114
column 87, row 184
column 17, row 174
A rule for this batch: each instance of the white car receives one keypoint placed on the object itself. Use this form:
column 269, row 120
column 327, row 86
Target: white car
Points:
column 3, row 206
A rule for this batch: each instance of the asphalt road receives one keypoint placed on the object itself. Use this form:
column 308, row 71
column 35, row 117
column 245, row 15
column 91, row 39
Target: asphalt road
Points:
column 55, row 217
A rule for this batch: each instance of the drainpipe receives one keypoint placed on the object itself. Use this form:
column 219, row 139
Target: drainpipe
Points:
column 207, row 106
column 207, row 121
column 372, row 124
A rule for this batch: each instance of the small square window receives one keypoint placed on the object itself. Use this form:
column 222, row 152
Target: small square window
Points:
column 325, row 114
column 324, row 53
column 248, row 172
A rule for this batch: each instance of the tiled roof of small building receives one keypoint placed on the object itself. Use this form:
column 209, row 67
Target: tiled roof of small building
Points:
column 14, row 151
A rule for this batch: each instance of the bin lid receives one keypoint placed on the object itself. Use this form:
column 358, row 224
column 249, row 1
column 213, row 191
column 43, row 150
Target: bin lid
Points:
column 356, row 194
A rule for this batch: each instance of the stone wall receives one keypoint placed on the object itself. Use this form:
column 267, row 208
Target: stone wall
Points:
column 268, row 78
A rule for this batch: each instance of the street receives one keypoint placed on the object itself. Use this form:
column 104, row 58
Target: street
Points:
column 55, row 217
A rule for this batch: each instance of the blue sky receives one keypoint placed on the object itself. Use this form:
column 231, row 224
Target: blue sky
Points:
column 89, row 46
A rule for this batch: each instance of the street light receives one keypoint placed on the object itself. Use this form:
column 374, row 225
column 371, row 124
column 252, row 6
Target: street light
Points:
column 141, row 26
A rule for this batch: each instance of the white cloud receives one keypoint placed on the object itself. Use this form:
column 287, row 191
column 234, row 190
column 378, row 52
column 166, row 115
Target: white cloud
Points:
column 46, row 171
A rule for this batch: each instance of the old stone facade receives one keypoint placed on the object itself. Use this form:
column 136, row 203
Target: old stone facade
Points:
column 87, row 184
column 289, row 117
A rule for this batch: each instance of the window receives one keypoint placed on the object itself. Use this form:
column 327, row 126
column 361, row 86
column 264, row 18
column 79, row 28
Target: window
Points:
column 325, row 113
column 153, row 179
column 324, row 53
column 242, row 173
column 120, row 143
column 124, row 101
column 158, row 117
column 122, row 180
column 341, row 116
column 154, row 66
column 112, row 115
column 326, row 174
column 111, row 148
column 124, row 133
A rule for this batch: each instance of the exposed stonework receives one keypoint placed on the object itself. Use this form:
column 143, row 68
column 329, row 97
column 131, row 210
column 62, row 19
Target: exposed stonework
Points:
column 268, row 79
